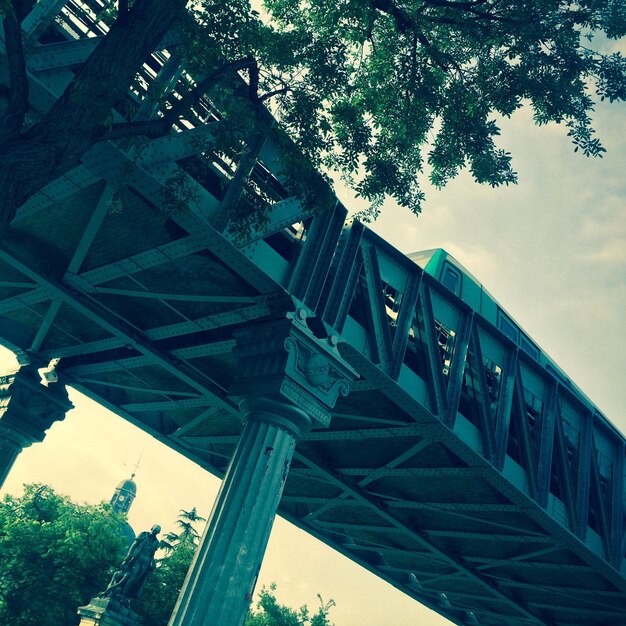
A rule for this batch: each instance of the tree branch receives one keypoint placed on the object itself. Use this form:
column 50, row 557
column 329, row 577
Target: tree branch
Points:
column 23, row 8
column 78, row 118
column 13, row 119
column 187, row 101
column 161, row 126
column 274, row 92
column 470, row 7
column 406, row 24
column 403, row 22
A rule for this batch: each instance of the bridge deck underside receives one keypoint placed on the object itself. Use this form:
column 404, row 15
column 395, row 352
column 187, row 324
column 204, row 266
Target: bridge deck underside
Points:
column 144, row 324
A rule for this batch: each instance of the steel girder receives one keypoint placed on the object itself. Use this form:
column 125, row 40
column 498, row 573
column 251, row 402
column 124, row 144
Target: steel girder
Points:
column 467, row 489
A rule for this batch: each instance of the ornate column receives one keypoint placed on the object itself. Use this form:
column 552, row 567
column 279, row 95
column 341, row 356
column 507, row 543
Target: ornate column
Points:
column 287, row 380
column 27, row 410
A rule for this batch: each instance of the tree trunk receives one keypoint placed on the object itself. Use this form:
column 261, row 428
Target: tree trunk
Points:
column 78, row 119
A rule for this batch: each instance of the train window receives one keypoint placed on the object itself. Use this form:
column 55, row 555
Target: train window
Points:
column 507, row 326
column 451, row 278
column 530, row 348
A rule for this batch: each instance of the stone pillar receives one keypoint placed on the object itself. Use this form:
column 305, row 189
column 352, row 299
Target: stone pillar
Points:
column 107, row 612
column 27, row 410
column 287, row 381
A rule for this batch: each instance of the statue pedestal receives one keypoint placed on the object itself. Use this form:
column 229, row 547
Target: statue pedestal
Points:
column 107, row 612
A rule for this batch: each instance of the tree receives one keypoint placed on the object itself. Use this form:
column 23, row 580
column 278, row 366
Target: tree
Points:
column 187, row 533
column 55, row 556
column 380, row 90
column 271, row 613
column 161, row 590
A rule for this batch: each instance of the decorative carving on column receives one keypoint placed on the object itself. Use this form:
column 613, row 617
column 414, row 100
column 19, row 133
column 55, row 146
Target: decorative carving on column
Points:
column 284, row 359
column 27, row 410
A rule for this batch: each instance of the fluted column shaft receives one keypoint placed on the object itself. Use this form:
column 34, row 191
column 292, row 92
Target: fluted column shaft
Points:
column 221, row 580
column 9, row 451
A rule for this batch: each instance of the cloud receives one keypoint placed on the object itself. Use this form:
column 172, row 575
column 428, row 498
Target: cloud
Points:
column 612, row 252
column 478, row 260
column 603, row 233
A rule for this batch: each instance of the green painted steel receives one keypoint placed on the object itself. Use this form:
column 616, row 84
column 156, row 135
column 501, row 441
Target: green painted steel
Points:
column 464, row 467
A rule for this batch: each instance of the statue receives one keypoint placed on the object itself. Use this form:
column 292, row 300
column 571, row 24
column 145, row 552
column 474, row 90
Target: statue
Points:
column 139, row 562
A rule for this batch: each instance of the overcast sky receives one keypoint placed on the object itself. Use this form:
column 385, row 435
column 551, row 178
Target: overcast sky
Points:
column 552, row 250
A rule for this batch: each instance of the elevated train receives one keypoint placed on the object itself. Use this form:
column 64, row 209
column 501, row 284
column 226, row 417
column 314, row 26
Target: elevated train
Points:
column 580, row 419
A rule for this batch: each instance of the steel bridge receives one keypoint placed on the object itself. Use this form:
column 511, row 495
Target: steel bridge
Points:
column 458, row 468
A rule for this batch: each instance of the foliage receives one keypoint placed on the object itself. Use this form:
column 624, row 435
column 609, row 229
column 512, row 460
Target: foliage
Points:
column 271, row 613
column 381, row 91
column 162, row 587
column 187, row 533
column 55, row 556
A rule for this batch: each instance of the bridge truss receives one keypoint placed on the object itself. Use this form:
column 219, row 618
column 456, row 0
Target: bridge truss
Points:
column 458, row 468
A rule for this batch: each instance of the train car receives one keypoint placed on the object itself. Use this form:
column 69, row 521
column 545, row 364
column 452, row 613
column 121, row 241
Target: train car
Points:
column 442, row 266
column 580, row 419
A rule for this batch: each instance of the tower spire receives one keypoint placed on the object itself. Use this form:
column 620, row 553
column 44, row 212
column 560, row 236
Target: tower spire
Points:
column 137, row 464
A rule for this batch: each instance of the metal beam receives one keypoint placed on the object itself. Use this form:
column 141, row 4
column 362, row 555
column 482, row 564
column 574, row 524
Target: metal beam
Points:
column 376, row 309
column 457, row 367
column 42, row 14
column 583, row 482
column 181, row 297
column 237, row 315
column 91, row 230
column 325, row 435
column 406, row 472
column 370, row 418
column 456, row 506
column 35, row 296
column 546, row 445
column 196, row 421
column 109, row 162
column 416, row 536
column 529, row 458
column 437, row 388
column 450, row 511
column 575, row 593
column 165, row 253
column 488, row 537
column 45, row 325
column 17, row 285
column 177, row 146
column 92, row 310
column 475, row 363
column 404, row 322
column 567, row 481
column 484, row 564
column 401, row 458
column 167, row 405
column 56, row 191
column 149, row 390
column 63, row 54
column 505, row 405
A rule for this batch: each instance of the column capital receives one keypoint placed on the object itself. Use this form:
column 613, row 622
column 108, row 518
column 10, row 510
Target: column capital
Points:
column 277, row 412
column 28, row 408
column 284, row 360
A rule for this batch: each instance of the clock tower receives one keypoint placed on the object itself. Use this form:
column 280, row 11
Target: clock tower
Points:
column 124, row 495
